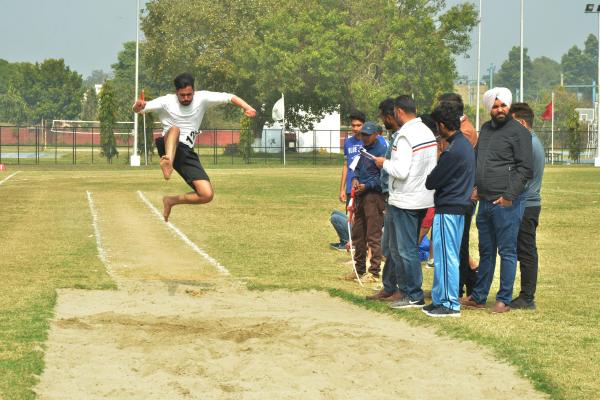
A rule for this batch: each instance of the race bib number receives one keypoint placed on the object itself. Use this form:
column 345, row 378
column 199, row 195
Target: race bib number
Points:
column 191, row 138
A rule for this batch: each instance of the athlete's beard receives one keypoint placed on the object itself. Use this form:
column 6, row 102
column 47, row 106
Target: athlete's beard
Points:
column 185, row 102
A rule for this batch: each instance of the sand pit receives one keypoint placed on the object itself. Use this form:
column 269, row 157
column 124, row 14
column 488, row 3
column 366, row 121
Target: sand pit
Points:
column 180, row 335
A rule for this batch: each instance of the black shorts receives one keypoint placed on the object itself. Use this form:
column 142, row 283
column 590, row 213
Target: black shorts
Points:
column 186, row 163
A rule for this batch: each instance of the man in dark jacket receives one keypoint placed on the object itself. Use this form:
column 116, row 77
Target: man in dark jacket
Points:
column 452, row 179
column 504, row 166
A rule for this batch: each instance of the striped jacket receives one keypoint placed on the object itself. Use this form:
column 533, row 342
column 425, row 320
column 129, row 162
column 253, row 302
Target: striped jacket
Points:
column 414, row 155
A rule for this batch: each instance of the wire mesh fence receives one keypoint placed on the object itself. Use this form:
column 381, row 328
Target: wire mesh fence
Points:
column 39, row 144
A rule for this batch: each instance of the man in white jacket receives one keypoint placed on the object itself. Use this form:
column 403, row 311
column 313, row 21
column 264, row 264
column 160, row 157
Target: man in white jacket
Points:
column 414, row 155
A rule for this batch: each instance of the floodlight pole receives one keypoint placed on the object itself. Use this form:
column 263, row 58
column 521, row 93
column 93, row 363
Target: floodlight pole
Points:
column 521, row 79
column 597, row 160
column 478, row 69
column 135, row 158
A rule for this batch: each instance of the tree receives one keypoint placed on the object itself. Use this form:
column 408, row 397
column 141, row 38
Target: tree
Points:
column 89, row 106
column 322, row 54
column 580, row 67
column 50, row 89
column 575, row 141
column 97, row 77
column 108, row 118
column 545, row 75
column 12, row 107
column 509, row 75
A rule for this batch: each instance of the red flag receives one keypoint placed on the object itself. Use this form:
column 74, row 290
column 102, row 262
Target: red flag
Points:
column 547, row 114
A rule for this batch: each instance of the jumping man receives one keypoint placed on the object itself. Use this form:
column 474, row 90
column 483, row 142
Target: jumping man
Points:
column 181, row 115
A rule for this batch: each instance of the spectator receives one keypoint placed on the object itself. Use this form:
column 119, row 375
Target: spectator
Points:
column 392, row 287
column 452, row 179
column 369, row 205
column 503, row 168
column 412, row 159
column 527, row 253
column 468, row 266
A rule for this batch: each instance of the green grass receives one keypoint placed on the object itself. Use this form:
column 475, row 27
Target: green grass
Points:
column 271, row 227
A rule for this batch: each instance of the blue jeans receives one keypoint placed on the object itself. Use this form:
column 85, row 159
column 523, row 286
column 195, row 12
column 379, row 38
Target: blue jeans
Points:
column 391, row 282
column 340, row 224
column 403, row 234
column 498, row 230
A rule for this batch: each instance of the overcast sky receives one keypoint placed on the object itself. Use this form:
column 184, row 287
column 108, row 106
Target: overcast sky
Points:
column 88, row 34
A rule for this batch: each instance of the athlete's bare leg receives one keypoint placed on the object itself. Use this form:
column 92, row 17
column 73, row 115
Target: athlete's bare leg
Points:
column 203, row 194
column 166, row 162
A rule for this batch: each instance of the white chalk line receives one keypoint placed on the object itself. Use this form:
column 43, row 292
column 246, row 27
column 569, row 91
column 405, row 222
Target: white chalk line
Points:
column 8, row 177
column 182, row 236
column 101, row 253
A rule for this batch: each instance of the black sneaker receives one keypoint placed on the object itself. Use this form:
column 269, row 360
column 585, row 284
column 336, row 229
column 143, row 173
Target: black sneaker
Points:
column 521, row 304
column 441, row 311
column 429, row 307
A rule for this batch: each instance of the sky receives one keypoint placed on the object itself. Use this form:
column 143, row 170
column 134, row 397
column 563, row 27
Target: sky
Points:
column 88, row 34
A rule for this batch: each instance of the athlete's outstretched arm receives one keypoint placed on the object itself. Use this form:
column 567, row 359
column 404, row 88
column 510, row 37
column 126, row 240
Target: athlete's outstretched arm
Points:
column 248, row 110
column 139, row 106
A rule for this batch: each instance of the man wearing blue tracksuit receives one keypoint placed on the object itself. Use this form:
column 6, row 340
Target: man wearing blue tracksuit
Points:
column 452, row 179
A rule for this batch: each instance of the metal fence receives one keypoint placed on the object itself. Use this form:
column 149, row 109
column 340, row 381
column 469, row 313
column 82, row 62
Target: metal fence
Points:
column 41, row 145
column 81, row 145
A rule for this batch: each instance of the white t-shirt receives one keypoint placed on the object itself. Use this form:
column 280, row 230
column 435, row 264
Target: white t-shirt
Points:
column 186, row 118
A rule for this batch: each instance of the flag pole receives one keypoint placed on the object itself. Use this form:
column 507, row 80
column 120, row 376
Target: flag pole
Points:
column 283, row 130
column 552, row 129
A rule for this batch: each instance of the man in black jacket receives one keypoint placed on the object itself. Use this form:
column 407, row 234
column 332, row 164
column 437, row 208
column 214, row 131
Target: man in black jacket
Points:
column 504, row 165
column 452, row 179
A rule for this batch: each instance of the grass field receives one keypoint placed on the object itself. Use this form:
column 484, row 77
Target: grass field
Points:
column 271, row 228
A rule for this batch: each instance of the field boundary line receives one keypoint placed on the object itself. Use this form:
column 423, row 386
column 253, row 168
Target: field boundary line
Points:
column 8, row 177
column 182, row 235
column 101, row 252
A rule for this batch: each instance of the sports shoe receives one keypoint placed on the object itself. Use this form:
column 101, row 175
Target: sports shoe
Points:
column 442, row 311
column 350, row 276
column 430, row 264
column 407, row 303
column 429, row 307
column 521, row 304
column 338, row 246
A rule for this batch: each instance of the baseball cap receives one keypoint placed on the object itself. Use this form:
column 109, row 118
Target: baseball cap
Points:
column 370, row 128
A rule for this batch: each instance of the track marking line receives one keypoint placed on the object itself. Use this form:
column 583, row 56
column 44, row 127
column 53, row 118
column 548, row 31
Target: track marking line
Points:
column 101, row 252
column 8, row 177
column 182, row 235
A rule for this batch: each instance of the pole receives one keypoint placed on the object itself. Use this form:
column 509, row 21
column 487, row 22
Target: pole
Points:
column 135, row 158
column 283, row 131
column 552, row 131
column 145, row 146
column 521, row 78
column 478, row 68
column 597, row 160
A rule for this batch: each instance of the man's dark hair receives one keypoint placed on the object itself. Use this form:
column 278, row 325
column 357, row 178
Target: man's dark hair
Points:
column 386, row 107
column 448, row 113
column 183, row 80
column 454, row 98
column 429, row 122
column 524, row 112
column 406, row 104
column 359, row 115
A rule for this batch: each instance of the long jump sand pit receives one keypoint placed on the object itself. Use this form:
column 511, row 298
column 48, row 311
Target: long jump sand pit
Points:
column 177, row 329
column 230, row 343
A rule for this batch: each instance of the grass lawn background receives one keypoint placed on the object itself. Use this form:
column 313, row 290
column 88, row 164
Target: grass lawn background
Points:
column 271, row 227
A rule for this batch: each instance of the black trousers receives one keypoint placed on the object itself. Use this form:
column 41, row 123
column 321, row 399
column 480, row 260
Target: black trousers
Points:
column 468, row 277
column 527, row 253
